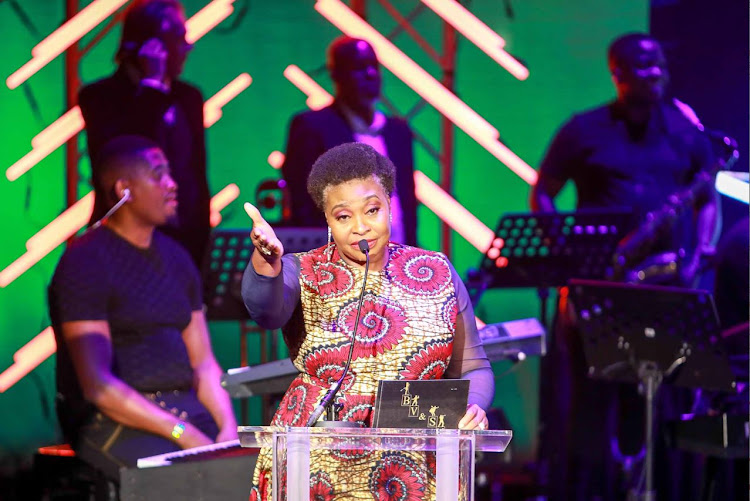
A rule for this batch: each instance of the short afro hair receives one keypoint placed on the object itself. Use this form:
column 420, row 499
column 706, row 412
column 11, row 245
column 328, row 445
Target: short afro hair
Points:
column 347, row 162
column 618, row 50
column 119, row 157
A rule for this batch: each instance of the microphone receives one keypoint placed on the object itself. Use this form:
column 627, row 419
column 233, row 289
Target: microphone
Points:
column 327, row 400
column 123, row 198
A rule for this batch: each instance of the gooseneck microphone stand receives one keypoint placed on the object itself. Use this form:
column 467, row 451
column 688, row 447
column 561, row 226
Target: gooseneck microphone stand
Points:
column 326, row 403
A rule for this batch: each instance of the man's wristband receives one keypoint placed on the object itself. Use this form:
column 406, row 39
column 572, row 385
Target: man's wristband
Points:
column 178, row 430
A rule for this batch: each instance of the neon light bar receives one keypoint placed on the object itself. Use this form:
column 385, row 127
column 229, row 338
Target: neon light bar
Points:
column 221, row 200
column 734, row 185
column 80, row 24
column 452, row 212
column 73, row 219
column 512, row 65
column 28, row 358
column 63, row 37
column 64, row 226
column 317, row 96
column 93, row 14
column 212, row 108
column 49, row 237
column 506, row 156
column 207, row 19
column 425, row 85
column 405, row 68
column 47, row 141
column 226, row 196
column 70, row 123
column 429, row 188
column 479, row 33
column 276, row 159
column 30, row 159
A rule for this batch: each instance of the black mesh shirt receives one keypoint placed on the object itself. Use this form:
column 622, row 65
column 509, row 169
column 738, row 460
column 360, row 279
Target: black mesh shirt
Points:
column 146, row 295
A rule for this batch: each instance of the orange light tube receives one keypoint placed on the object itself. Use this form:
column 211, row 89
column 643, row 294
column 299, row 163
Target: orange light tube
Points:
column 220, row 201
column 71, row 123
column 317, row 96
column 49, row 237
column 506, row 156
column 429, row 190
column 452, row 212
column 73, row 219
column 47, row 141
column 93, row 14
column 478, row 33
column 30, row 159
column 425, row 85
column 64, row 226
column 207, row 19
column 28, row 358
column 404, row 67
column 80, row 24
column 223, row 198
column 212, row 108
column 63, row 37
column 276, row 159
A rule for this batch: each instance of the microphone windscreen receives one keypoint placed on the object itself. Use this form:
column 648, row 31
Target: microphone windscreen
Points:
column 364, row 246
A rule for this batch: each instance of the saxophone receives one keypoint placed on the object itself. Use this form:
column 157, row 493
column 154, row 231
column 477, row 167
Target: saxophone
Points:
column 633, row 260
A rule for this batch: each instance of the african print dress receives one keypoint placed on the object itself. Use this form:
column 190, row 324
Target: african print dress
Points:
column 406, row 331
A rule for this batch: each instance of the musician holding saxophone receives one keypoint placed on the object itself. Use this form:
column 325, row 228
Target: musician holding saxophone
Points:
column 634, row 153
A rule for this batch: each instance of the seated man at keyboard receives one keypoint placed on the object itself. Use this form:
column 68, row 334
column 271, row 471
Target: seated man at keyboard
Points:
column 136, row 375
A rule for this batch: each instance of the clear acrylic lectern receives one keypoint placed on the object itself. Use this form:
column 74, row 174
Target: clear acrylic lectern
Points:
column 454, row 453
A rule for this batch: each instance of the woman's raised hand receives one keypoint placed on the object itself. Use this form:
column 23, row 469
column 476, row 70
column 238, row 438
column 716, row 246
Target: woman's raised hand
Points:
column 267, row 245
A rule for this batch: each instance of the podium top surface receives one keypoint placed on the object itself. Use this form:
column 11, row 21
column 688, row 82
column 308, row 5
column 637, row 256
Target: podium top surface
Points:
column 374, row 438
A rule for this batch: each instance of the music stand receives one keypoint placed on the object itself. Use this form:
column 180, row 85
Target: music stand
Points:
column 650, row 335
column 228, row 256
column 223, row 267
column 547, row 249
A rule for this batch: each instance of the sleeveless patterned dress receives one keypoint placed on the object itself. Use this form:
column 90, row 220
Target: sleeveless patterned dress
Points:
column 406, row 331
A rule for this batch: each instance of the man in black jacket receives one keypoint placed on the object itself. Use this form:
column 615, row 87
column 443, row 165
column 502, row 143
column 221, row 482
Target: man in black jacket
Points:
column 355, row 71
column 145, row 97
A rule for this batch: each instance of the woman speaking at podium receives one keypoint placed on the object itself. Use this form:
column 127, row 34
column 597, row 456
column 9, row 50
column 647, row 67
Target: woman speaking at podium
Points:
column 416, row 323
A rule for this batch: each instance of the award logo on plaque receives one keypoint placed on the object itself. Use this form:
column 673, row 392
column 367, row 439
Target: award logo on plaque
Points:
column 433, row 403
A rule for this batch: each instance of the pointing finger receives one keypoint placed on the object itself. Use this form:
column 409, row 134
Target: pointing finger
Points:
column 254, row 214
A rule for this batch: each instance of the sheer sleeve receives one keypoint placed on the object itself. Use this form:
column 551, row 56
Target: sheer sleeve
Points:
column 272, row 300
column 469, row 361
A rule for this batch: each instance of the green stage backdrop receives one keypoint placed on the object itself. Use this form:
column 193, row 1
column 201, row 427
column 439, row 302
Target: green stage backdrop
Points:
column 562, row 43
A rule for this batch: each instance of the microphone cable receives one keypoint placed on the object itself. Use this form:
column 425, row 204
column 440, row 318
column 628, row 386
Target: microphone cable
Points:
column 125, row 197
column 327, row 400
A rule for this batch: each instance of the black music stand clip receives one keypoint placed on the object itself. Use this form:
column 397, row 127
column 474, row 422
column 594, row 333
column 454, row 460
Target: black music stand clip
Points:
column 650, row 335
